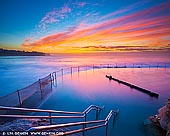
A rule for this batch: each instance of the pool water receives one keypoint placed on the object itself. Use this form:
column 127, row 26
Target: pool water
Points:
column 75, row 92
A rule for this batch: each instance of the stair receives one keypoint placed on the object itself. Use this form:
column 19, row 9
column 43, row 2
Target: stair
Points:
column 21, row 125
column 40, row 124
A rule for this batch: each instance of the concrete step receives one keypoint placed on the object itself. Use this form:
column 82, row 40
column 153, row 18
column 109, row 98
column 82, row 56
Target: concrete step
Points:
column 21, row 125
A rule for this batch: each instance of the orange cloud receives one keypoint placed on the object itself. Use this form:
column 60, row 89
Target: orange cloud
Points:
column 137, row 29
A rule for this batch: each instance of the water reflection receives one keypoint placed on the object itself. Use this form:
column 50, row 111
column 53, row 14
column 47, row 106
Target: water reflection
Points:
column 20, row 71
column 79, row 90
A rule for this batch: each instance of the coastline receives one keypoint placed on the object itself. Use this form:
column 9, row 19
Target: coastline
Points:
column 4, row 52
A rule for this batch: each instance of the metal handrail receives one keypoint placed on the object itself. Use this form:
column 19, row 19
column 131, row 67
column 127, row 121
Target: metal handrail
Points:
column 47, row 117
column 51, row 111
column 50, row 127
column 81, row 114
column 92, row 107
column 38, row 110
column 82, row 130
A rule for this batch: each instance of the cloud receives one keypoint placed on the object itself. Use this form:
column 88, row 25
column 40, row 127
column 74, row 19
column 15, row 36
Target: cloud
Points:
column 27, row 40
column 139, row 29
column 65, row 9
column 80, row 4
column 48, row 40
column 54, row 16
column 126, row 48
column 53, row 20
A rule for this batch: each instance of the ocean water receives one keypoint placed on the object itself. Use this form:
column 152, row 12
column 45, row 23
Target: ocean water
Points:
column 77, row 91
column 20, row 71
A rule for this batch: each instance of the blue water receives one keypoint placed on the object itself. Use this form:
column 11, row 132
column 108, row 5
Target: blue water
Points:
column 78, row 91
column 20, row 71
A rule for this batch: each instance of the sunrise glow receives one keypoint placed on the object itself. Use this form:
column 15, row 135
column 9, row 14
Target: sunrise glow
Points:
column 86, row 26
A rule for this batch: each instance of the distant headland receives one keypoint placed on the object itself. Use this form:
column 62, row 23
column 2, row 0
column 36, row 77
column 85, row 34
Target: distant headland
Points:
column 4, row 52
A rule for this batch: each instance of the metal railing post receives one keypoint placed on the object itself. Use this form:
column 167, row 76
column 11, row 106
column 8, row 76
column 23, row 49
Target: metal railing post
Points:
column 52, row 77
column 97, row 112
column 78, row 69
column 62, row 72
column 55, row 75
column 51, row 81
column 84, row 125
column 50, row 118
column 19, row 98
column 40, row 88
column 56, row 78
column 71, row 71
column 83, row 129
column 85, row 119
column 106, row 129
column 114, row 118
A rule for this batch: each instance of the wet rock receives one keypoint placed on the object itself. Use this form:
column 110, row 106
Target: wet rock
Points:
column 160, row 124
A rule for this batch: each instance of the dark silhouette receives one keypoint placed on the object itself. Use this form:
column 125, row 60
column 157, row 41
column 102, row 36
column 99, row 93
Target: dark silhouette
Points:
column 152, row 94
column 4, row 52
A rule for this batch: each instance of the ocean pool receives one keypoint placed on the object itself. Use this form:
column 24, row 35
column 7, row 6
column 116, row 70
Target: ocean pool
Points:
column 75, row 92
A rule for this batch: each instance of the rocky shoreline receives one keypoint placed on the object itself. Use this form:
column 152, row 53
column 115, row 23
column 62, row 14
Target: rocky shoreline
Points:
column 159, row 125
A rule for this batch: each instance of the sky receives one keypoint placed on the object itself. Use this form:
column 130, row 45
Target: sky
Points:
column 74, row 26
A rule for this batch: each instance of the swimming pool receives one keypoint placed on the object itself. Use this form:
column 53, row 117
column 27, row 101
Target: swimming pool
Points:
column 75, row 92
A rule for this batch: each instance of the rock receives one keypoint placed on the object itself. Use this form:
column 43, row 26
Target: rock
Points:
column 164, row 115
column 160, row 123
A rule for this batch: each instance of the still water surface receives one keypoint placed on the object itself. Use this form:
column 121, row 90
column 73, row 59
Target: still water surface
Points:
column 78, row 91
column 20, row 71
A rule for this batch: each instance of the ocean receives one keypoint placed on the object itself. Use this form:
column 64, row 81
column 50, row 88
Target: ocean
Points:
column 20, row 71
column 148, row 70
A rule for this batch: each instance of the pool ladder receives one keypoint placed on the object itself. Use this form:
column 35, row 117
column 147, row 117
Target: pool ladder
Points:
column 95, row 123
